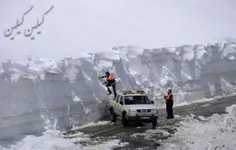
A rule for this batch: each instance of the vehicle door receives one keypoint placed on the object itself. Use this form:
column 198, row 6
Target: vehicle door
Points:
column 120, row 107
column 116, row 104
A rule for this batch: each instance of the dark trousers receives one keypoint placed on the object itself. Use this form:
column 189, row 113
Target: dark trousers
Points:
column 113, row 87
column 169, row 108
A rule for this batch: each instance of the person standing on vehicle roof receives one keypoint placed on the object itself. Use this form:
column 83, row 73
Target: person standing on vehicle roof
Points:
column 169, row 104
column 110, row 82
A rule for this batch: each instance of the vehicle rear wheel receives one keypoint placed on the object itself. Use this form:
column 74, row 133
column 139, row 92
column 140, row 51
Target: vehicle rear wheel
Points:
column 112, row 115
column 124, row 119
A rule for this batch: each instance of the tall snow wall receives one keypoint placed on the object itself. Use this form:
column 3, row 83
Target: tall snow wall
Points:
column 42, row 93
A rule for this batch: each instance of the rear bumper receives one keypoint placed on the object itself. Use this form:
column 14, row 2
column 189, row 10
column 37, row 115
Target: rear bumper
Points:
column 142, row 118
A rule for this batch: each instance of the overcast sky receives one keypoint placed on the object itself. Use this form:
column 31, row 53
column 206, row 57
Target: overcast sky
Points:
column 76, row 26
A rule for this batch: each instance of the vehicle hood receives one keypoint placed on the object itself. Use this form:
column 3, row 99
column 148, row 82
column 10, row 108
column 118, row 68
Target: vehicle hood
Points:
column 141, row 106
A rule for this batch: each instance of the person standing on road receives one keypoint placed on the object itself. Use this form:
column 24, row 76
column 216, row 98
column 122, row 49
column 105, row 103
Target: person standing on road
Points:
column 169, row 104
column 110, row 82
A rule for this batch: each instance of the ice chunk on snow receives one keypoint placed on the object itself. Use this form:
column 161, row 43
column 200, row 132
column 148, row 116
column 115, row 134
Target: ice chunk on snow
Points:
column 107, row 145
column 91, row 124
column 231, row 58
column 77, row 99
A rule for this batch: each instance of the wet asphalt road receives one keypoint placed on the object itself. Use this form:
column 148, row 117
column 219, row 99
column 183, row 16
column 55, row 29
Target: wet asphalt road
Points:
column 153, row 141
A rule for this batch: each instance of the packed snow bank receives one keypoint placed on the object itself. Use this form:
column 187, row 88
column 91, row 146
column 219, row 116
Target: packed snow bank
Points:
column 215, row 132
column 38, row 93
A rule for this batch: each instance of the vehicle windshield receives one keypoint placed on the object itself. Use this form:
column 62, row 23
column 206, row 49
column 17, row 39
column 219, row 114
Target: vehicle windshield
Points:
column 129, row 100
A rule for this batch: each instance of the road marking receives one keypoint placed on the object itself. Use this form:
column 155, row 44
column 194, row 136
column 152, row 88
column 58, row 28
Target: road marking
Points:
column 205, row 105
column 107, row 130
column 190, row 108
column 197, row 107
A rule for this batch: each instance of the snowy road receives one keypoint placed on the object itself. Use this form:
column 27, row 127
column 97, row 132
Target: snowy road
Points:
column 135, row 135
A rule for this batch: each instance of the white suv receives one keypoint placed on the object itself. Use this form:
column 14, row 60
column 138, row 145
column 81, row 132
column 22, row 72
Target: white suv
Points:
column 133, row 106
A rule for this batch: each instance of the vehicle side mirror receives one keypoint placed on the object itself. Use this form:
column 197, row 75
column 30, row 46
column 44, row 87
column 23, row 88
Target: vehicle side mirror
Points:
column 121, row 103
column 152, row 102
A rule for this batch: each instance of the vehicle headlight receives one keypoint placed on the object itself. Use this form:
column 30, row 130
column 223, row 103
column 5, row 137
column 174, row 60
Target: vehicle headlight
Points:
column 155, row 111
column 132, row 112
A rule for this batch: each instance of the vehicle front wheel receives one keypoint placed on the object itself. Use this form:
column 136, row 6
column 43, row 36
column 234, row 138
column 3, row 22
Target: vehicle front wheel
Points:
column 124, row 119
column 154, row 122
column 112, row 115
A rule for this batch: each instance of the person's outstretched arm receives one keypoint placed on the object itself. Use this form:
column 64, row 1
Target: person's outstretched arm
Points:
column 102, row 77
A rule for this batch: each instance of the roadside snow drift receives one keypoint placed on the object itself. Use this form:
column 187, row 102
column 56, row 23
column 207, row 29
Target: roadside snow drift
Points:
column 50, row 140
column 42, row 93
column 215, row 132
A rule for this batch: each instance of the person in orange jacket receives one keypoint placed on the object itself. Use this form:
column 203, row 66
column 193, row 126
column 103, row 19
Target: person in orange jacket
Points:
column 169, row 104
column 110, row 82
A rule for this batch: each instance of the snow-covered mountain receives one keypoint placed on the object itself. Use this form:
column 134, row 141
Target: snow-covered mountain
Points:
column 43, row 93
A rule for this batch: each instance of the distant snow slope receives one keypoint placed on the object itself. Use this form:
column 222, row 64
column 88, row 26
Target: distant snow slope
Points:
column 215, row 132
column 90, row 25
column 42, row 93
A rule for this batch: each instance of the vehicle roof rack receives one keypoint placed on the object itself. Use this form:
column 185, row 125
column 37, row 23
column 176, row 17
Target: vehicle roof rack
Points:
column 125, row 92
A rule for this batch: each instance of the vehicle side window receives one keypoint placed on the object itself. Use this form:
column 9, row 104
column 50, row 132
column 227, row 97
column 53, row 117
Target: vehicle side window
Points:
column 117, row 98
column 121, row 100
